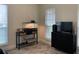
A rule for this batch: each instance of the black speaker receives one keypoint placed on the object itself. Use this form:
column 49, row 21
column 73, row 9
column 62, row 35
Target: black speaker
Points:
column 54, row 28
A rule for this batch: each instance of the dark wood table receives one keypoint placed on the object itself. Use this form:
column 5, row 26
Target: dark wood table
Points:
column 25, row 34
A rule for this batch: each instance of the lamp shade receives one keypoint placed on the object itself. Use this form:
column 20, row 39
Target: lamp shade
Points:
column 31, row 24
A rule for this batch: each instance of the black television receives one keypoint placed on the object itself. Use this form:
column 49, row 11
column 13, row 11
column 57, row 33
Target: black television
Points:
column 66, row 27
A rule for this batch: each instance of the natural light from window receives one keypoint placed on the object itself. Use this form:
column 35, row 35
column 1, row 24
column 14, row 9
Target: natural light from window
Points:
column 49, row 21
column 3, row 25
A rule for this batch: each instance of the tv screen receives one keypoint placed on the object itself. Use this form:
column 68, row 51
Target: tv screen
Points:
column 66, row 26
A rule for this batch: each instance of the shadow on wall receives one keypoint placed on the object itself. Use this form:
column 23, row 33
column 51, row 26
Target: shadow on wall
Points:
column 41, row 31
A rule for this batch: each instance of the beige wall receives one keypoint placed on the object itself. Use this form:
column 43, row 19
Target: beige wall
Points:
column 78, row 29
column 20, row 13
column 17, row 14
column 63, row 13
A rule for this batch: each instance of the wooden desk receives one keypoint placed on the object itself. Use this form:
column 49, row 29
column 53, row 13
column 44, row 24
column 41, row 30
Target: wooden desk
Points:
column 30, row 35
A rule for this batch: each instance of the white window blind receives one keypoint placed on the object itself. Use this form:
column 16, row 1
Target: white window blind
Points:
column 3, row 25
column 49, row 21
column 3, row 15
column 50, row 17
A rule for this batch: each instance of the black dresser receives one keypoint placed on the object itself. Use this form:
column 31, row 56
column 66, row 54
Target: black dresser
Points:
column 63, row 41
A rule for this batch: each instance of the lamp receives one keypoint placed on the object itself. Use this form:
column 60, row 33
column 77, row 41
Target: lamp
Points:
column 31, row 24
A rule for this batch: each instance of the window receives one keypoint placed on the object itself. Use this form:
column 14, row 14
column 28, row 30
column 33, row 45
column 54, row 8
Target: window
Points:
column 3, row 24
column 49, row 21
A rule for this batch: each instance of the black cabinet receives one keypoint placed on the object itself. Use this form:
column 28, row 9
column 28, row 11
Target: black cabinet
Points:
column 63, row 37
column 64, row 41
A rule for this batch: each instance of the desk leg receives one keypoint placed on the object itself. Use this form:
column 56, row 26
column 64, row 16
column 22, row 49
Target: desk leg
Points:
column 17, row 41
column 37, row 37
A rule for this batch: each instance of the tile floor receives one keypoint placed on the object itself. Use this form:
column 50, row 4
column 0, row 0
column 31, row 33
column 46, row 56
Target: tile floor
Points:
column 40, row 48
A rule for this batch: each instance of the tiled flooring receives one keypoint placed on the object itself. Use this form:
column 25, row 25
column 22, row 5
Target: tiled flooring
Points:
column 77, row 52
column 40, row 48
